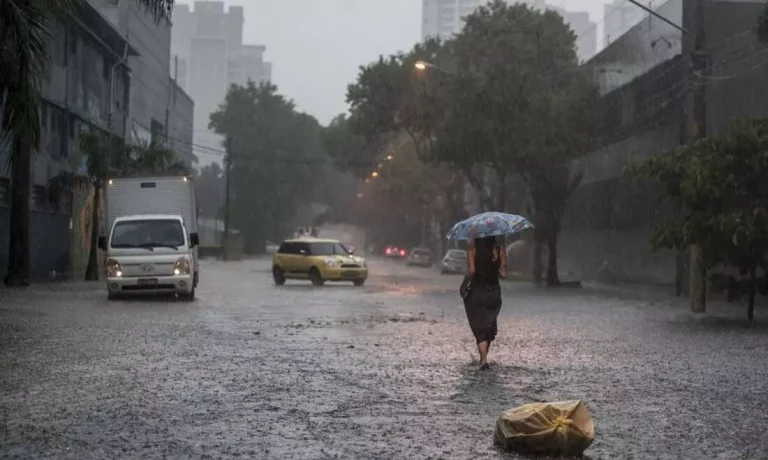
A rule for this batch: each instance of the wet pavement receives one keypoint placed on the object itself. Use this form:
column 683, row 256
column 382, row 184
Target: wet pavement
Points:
column 250, row 370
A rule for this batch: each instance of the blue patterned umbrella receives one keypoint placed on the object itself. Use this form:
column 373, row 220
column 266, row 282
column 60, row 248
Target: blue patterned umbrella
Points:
column 488, row 224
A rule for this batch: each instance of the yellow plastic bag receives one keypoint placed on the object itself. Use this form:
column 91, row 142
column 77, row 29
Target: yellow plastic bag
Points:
column 557, row 428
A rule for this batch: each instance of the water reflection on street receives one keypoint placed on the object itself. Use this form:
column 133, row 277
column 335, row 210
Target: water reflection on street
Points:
column 383, row 371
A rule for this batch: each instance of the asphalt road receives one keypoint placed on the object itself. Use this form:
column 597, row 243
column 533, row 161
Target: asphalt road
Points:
column 250, row 370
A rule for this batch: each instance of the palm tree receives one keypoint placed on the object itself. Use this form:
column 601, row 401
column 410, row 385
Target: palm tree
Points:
column 24, row 25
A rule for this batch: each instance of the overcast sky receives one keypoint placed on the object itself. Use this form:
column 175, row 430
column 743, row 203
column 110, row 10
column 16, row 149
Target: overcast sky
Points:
column 316, row 46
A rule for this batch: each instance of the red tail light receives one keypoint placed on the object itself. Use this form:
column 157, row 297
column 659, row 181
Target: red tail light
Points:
column 388, row 251
column 402, row 252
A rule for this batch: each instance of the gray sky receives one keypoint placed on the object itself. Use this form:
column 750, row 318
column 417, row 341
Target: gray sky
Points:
column 316, row 46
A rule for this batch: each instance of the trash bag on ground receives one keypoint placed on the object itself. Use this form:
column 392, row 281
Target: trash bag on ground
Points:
column 554, row 428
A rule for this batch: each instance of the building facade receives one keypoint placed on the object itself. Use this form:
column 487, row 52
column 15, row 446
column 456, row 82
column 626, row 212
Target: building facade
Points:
column 87, row 88
column 154, row 107
column 643, row 112
column 208, row 44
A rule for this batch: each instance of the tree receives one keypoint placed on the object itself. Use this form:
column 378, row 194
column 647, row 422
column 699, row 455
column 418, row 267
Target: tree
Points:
column 24, row 24
column 718, row 186
column 391, row 98
column 276, row 156
column 349, row 150
column 528, row 115
column 210, row 190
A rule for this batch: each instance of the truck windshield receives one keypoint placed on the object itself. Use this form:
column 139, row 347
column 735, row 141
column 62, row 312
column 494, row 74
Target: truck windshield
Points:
column 148, row 234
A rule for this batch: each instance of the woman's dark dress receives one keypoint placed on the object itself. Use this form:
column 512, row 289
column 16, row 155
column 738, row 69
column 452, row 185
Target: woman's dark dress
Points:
column 483, row 303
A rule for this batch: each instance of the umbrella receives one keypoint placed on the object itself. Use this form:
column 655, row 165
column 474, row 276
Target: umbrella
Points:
column 488, row 224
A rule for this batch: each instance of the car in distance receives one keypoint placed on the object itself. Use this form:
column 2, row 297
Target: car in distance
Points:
column 420, row 257
column 395, row 252
column 454, row 261
column 317, row 260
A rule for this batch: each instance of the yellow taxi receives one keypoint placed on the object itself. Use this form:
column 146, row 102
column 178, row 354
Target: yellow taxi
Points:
column 317, row 260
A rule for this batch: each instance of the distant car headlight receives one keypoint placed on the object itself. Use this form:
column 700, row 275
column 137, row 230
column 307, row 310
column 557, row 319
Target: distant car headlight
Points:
column 181, row 266
column 113, row 269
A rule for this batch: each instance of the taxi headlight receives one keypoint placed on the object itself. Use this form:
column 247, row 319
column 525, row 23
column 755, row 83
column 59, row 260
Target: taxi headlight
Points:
column 113, row 269
column 181, row 267
column 330, row 262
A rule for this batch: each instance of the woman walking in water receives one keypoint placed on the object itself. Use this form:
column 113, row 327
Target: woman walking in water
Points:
column 486, row 263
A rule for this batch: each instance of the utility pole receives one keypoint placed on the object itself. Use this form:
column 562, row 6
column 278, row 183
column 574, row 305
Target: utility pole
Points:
column 227, row 171
column 694, row 18
column 695, row 11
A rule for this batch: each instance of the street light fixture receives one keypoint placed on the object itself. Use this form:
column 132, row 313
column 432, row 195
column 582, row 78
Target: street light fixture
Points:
column 421, row 66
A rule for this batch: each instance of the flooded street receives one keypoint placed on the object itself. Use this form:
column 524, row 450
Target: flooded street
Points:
column 252, row 370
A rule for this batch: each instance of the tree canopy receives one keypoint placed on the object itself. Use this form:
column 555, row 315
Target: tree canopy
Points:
column 505, row 98
column 276, row 157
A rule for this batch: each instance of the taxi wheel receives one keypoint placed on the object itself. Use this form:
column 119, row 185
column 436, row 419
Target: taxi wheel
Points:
column 188, row 296
column 358, row 283
column 314, row 276
column 278, row 276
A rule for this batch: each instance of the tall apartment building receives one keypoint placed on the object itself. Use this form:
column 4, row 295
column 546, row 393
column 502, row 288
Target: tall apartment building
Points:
column 207, row 45
column 444, row 18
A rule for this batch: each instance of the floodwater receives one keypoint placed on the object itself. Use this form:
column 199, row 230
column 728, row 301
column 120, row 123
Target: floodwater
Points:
column 250, row 370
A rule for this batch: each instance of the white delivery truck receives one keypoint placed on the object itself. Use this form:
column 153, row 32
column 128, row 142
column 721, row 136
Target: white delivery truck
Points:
column 152, row 238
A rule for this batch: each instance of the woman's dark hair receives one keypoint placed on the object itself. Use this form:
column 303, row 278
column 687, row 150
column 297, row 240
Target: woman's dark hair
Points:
column 484, row 248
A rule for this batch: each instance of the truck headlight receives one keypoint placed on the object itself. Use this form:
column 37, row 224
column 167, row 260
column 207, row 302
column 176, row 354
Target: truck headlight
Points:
column 113, row 269
column 181, row 267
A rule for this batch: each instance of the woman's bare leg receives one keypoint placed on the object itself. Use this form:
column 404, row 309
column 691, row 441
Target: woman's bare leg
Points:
column 482, row 348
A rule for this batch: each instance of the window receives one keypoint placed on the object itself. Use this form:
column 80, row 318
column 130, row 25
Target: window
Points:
column 5, row 191
column 40, row 198
column 288, row 248
column 327, row 249
column 149, row 234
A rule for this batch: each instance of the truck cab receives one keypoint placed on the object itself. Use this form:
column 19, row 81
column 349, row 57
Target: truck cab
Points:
column 150, row 254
